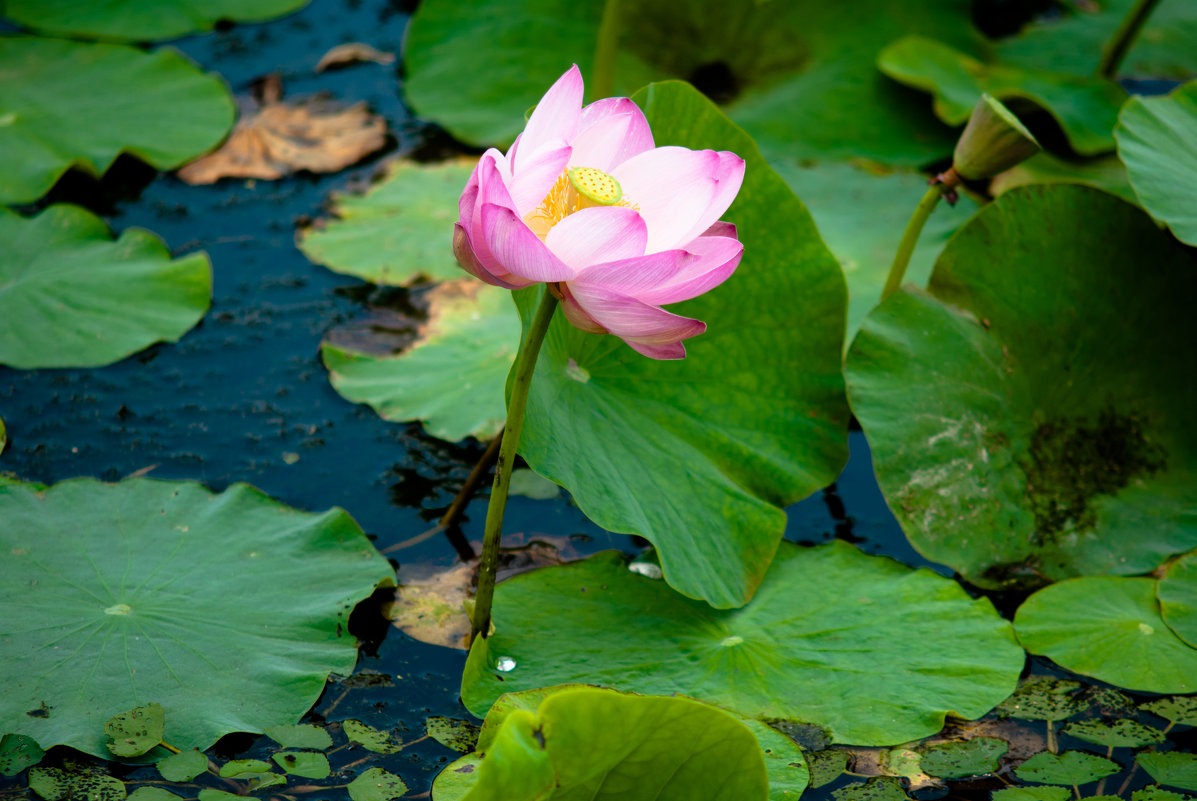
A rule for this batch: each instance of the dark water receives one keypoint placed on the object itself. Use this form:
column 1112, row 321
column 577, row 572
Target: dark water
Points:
column 244, row 393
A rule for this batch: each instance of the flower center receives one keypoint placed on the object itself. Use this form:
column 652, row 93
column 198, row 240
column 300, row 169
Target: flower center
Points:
column 575, row 189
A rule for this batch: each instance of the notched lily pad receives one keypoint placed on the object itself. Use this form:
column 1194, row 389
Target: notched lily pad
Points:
column 1005, row 433
column 132, row 733
column 72, row 297
column 95, row 570
column 451, row 376
column 73, row 104
column 18, row 752
column 818, row 612
column 1068, row 767
column 958, row 760
column 1172, row 768
column 1109, row 628
column 183, row 766
column 1121, row 733
column 399, row 232
column 376, row 784
column 315, row 134
column 370, row 738
column 140, row 20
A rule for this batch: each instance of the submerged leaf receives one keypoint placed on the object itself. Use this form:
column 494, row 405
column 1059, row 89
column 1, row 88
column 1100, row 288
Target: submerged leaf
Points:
column 100, row 570
column 827, row 622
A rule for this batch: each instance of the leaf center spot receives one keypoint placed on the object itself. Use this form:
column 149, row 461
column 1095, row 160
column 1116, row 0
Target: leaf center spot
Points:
column 734, row 639
column 1146, row 629
column 576, row 372
column 118, row 609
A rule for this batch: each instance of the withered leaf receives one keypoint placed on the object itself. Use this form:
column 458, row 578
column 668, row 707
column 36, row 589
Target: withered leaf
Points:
column 351, row 52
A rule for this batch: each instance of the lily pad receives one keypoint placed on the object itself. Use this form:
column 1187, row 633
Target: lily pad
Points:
column 1157, row 793
column 958, row 760
column 18, row 752
column 140, row 20
column 1109, row 628
column 79, row 104
column 588, row 742
column 1012, row 436
column 398, row 232
column 71, row 297
column 1171, row 768
column 370, row 738
column 878, row 788
column 309, row 764
column 132, row 733
column 826, row 766
column 701, row 455
column 451, row 377
column 1121, row 733
column 827, row 622
column 455, row 733
column 152, row 794
column 785, row 70
column 1104, row 172
column 1043, row 698
column 300, row 735
column 1032, row 794
column 238, row 768
column 1085, row 107
column 112, row 575
column 860, row 215
column 1155, row 139
column 1182, row 709
column 74, row 781
column 376, row 784
column 183, row 766
column 1069, row 767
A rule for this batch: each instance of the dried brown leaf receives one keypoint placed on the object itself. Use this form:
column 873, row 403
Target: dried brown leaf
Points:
column 352, row 52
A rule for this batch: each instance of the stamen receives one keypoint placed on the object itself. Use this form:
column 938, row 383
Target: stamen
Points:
column 575, row 189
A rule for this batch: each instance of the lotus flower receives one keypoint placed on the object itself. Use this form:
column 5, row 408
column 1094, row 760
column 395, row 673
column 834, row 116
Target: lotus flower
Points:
column 585, row 202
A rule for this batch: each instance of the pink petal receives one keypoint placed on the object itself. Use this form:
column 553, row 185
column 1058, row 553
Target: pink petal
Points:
column 675, row 350
column 611, row 135
column 463, row 249
column 595, row 235
column 554, row 118
column 670, row 276
column 722, row 228
column 630, row 319
column 492, row 190
column 576, row 315
column 636, row 275
column 536, row 176
column 517, row 249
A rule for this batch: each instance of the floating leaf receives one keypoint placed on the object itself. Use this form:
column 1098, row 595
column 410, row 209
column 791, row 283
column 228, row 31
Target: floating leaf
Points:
column 708, row 449
column 1043, row 698
column 1068, row 767
column 183, row 766
column 1108, row 628
column 376, row 784
column 309, row 764
column 786, row 70
column 370, row 738
column 1177, row 593
column 315, row 134
column 18, row 752
column 1032, row 794
column 152, row 794
column 879, row 788
column 1155, row 139
column 132, row 733
column 74, row 782
column 1178, row 710
column 140, row 20
column 588, row 742
column 1014, row 438
column 829, row 620
column 785, row 764
column 72, row 297
column 826, row 766
column 451, row 377
column 859, row 217
column 238, row 768
column 974, row 757
column 1121, row 733
column 1104, row 172
column 1157, row 793
column 1085, row 107
column 75, row 104
column 301, row 735
column 399, row 232
column 208, row 794
column 1171, row 768
column 112, row 575
column 460, row 735
column 351, row 53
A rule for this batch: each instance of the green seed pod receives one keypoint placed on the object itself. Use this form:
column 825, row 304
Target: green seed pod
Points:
column 993, row 141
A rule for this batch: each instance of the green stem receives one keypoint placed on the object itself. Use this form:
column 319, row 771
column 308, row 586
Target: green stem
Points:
column 1124, row 38
column 910, row 238
column 525, row 363
column 602, row 79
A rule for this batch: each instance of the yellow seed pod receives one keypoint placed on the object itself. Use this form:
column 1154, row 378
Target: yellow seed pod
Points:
column 595, row 185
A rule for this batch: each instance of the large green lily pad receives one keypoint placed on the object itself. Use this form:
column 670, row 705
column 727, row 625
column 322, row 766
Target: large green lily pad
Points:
column 872, row 651
column 786, row 70
column 1156, row 139
column 586, row 742
column 228, row 610
column 451, row 377
column 1110, row 628
column 861, row 214
column 1086, row 107
column 70, row 104
column 701, row 455
column 398, row 232
column 1171, row 768
column 1177, row 593
column 71, row 297
column 1104, row 172
column 140, row 20
column 1027, row 418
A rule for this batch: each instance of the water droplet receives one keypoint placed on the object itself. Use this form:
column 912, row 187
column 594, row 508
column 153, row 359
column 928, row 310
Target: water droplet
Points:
column 504, row 664
column 646, row 569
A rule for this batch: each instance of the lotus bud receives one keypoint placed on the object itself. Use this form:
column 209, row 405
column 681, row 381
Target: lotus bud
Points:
column 993, row 141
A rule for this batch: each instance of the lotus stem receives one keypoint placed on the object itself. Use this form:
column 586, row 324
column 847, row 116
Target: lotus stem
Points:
column 602, row 78
column 910, row 238
column 525, row 363
column 1124, row 38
